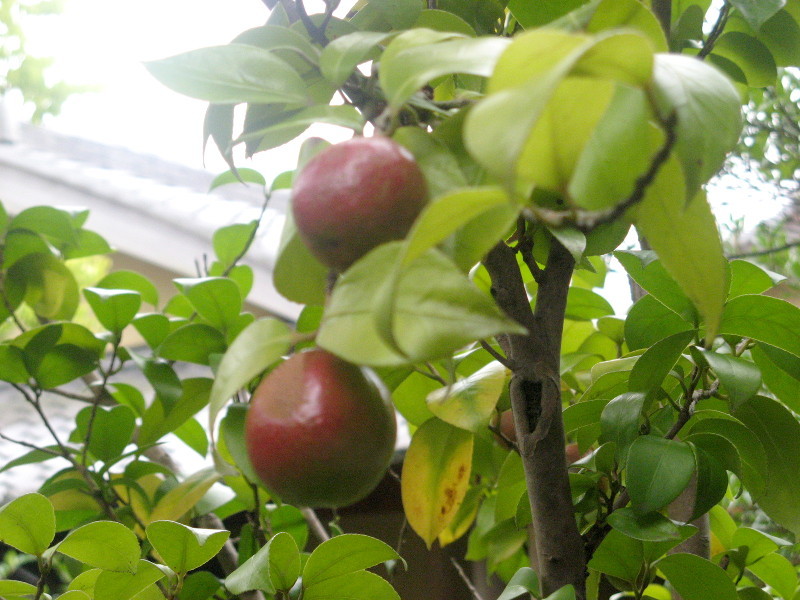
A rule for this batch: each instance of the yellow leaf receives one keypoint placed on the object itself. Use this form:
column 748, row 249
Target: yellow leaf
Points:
column 435, row 477
column 181, row 499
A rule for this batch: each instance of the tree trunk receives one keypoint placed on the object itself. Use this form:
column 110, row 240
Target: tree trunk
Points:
column 536, row 403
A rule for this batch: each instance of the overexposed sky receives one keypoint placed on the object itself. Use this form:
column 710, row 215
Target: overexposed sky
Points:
column 104, row 43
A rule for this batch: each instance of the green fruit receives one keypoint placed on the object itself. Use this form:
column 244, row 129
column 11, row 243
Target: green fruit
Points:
column 319, row 432
column 356, row 195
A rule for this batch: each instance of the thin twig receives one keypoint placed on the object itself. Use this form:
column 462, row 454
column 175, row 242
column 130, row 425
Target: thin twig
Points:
column 716, row 31
column 466, row 579
column 507, row 363
column 315, row 524
column 766, row 252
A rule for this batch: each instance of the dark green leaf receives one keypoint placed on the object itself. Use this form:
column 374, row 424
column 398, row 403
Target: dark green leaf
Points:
column 276, row 566
column 739, row 377
column 658, row 471
column 649, row 527
column 194, row 343
column 111, row 429
column 157, row 421
column 655, row 364
column 524, row 581
column 696, row 578
column 649, row 321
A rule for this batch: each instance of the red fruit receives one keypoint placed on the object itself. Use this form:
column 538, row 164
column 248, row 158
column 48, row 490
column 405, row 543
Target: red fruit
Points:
column 356, row 195
column 319, row 433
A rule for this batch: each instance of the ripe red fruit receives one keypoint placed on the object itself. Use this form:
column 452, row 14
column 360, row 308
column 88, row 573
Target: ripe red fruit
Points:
column 319, row 433
column 356, row 195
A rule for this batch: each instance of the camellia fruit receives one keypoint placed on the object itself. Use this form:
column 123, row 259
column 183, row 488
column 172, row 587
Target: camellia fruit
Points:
column 356, row 195
column 319, row 431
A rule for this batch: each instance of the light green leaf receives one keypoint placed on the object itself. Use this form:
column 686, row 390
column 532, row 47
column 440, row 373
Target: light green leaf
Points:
column 440, row 165
column 748, row 278
column 766, row 319
column 618, row 151
column 231, row 74
column 435, row 476
column 649, row 321
column 50, row 287
column 750, row 55
column 345, row 554
column 696, row 578
column 231, row 242
column 779, row 432
column 262, row 343
column 470, row 402
column 757, row 12
column 708, row 111
column 585, row 305
column 130, row 280
column 294, row 257
column 611, row 14
column 115, row 309
column 28, row 523
column 524, row 581
column 216, row 299
column 437, row 310
column 237, row 231
column 361, row 585
column 106, row 545
column 686, row 239
column 112, row 585
column 194, row 343
column 777, row 572
column 417, row 56
column 345, row 53
column 159, row 420
column 276, row 566
column 340, row 115
column 658, row 471
column 12, row 588
column 185, row 548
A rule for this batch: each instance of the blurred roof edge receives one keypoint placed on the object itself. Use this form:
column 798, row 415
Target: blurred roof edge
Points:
column 149, row 209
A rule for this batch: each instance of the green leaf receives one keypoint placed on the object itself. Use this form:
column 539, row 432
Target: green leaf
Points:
column 194, row 342
column 340, row 57
column 777, row 572
column 565, row 593
column 112, row 585
column 345, row 554
column 216, row 299
column 696, row 578
column 232, row 433
column 611, row 14
column 658, row 471
column 50, row 287
column 649, row 321
column 585, row 305
column 436, row 310
column 231, row 74
column 12, row 364
column 440, row 165
column 276, row 566
column 28, row 523
column 758, row 543
column 262, row 343
column 750, row 55
column 238, row 232
column 12, row 588
column 708, row 111
column 535, row 14
column 153, row 327
column 294, row 257
column 470, row 402
column 619, row 556
column 130, row 280
column 442, row 20
column 779, row 432
column 106, row 545
column 686, row 240
column 618, row 151
column 232, row 241
column 341, row 115
column 654, row 365
column 53, row 223
column 780, row 372
column 649, row 527
column 739, row 377
column 185, row 548
column 620, row 421
column 115, row 309
column 766, row 319
column 524, row 581
column 417, row 56
column 159, row 420
column 747, row 278
column 361, row 585
column 757, row 12
column 712, row 482
column 111, row 429
column 648, row 271
column 435, row 476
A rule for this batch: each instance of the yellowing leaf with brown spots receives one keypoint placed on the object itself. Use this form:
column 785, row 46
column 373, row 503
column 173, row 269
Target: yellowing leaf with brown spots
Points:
column 435, row 476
